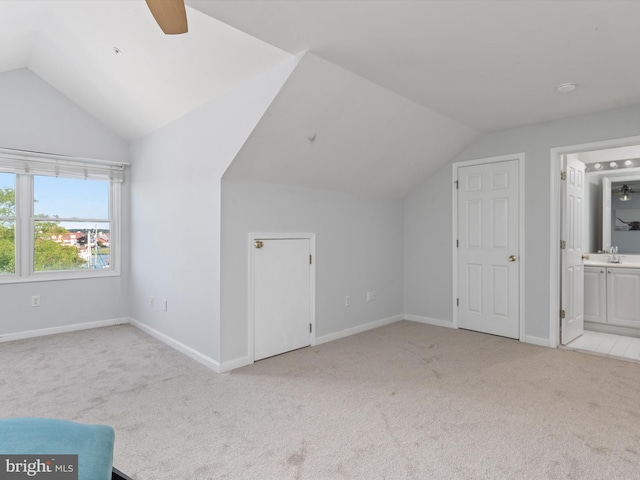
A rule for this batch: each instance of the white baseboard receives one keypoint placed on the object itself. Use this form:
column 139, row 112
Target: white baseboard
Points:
column 235, row 363
column 181, row 347
column 358, row 329
column 244, row 361
column 541, row 342
column 9, row 337
column 429, row 321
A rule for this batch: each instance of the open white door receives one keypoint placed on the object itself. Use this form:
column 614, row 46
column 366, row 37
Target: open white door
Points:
column 488, row 251
column 572, row 249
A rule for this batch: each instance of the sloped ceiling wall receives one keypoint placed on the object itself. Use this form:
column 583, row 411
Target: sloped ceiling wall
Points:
column 331, row 129
column 36, row 116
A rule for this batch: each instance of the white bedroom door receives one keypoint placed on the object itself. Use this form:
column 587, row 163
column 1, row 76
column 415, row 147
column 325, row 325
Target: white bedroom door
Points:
column 572, row 249
column 281, row 295
column 488, row 250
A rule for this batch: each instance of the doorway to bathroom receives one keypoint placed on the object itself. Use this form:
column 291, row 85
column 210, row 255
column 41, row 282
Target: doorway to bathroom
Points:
column 595, row 299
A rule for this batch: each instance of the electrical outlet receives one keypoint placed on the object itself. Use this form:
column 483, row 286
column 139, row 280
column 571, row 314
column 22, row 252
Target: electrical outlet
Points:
column 35, row 301
column 368, row 296
column 151, row 301
column 373, row 295
column 347, row 300
column 164, row 304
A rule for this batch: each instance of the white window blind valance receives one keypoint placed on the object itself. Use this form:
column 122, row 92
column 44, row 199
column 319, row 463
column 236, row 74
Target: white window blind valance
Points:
column 36, row 163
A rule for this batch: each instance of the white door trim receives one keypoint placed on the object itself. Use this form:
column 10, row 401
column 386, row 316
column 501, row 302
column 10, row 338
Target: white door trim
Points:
column 522, row 257
column 312, row 284
column 554, row 223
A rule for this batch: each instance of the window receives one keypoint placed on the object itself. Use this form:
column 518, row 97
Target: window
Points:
column 59, row 218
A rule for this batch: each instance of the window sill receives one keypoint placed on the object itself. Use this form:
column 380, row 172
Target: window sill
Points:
column 57, row 276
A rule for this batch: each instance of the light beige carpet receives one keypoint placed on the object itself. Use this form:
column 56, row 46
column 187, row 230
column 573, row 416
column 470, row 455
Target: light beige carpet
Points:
column 406, row 401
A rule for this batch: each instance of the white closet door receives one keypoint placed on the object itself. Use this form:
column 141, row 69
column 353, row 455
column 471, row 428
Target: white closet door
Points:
column 488, row 227
column 282, row 296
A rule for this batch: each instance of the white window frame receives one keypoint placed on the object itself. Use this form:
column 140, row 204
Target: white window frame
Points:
column 25, row 219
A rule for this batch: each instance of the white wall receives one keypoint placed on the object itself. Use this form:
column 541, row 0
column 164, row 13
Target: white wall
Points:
column 358, row 249
column 427, row 245
column 175, row 219
column 431, row 203
column 35, row 116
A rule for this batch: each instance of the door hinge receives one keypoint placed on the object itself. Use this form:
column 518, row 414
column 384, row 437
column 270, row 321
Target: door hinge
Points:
column 310, row 328
column 563, row 175
column 457, row 243
column 457, row 302
column 563, row 244
column 310, row 261
column 563, row 314
column 456, row 182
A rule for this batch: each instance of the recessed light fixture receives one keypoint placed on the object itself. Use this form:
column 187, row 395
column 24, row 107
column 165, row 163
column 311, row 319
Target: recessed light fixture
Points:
column 628, row 163
column 597, row 166
column 613, row 165
column 117, row 51
column 566, row 87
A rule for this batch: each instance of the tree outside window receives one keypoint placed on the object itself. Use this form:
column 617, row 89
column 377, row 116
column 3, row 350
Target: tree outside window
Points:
column 7, row 228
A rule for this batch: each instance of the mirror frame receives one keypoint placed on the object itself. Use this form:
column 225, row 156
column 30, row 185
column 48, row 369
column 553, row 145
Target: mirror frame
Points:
column 606, row 213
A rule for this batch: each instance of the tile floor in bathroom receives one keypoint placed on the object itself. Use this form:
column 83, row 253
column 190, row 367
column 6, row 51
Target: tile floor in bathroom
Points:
column 608, row 345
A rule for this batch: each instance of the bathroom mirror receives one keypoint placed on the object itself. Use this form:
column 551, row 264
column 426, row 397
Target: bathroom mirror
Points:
column 620, row 212
column 609, row 214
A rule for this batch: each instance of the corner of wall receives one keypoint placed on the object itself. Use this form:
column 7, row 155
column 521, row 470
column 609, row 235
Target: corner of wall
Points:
column 181, row 347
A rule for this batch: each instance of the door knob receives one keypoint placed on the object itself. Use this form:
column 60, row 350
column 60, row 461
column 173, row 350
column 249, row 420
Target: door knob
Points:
column 512, row 258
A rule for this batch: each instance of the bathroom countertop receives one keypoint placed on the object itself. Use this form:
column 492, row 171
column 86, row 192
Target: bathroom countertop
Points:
column 602, row 260
column 622, row 264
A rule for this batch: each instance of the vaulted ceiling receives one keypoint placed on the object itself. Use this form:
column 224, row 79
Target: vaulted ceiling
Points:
column 392, row 88
column 156, row 78
column 488, row 64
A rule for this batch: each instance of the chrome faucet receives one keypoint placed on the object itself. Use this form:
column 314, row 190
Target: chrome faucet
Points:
column 613, row 255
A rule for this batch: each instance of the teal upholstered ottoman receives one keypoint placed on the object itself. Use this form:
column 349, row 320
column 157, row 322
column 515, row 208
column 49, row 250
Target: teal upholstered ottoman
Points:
column 34, row 436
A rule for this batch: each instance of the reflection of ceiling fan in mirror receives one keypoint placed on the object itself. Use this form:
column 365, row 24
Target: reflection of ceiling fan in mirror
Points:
column 170, row 15
column 624, row 193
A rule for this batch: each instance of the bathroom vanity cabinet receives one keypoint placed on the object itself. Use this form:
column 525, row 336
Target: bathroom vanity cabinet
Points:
column 595, row 294
column 612, row 295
